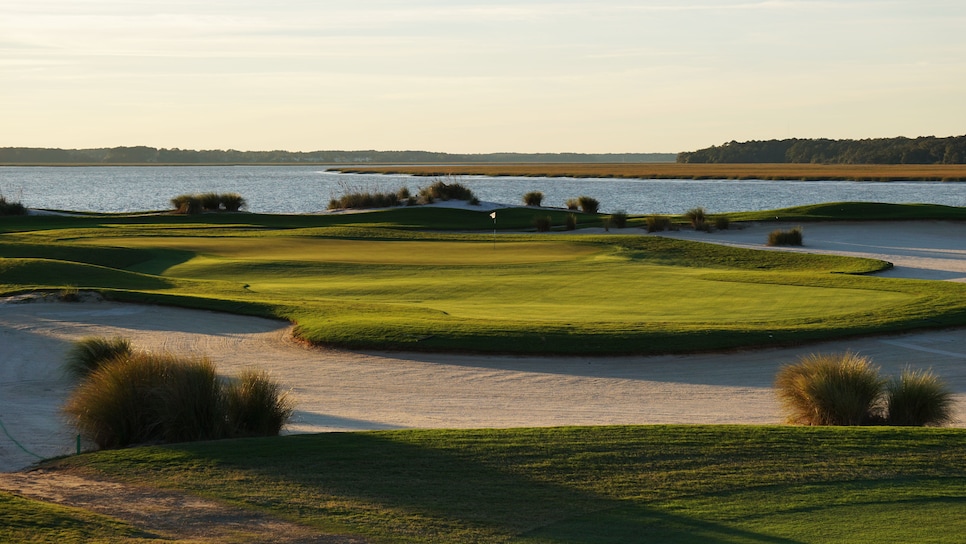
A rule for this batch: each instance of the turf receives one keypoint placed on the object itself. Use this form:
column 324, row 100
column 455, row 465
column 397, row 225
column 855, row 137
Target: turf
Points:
column 570, row 485
column 392, row 288
column 27, row 520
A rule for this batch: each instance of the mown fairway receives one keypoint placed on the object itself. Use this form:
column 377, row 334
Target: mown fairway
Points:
column 366, row 286
column 573, row 485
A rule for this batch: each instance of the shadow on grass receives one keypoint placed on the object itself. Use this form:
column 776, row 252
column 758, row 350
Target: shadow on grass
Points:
column 436, row 487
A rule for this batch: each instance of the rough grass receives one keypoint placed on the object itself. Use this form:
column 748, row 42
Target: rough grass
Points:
column 689, row 483
column 28, row 520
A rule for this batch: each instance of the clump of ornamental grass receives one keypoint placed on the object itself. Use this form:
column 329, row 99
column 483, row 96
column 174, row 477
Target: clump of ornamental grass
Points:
column 543, row 223
column 89, row 353
column 255, row 405
column 588, row 204
column 365, row 200
column 696, row 216
column 831, row 389
column 533, row 198
column 657, row 223
column 440, row 190
column 232, row 202
column 210, row 202
column 187, row 204
column 11, row 208
column 157, row 398
column 791, row 237
column 721, row 222
column 919, row 398
column 570, row 222
column 619, row 219
column 573, row 204
column 191, row 204
column 69, row 294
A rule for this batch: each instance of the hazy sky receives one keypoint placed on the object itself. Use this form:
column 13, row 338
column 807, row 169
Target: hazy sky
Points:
column 477, row 76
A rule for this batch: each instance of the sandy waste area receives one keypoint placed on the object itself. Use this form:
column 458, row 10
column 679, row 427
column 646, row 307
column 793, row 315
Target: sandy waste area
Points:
column 345, row 391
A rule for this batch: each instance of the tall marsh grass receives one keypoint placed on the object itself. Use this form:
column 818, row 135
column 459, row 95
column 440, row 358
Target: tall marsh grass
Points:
column 830, row 389
column 533, row 198
column 191, row 204
column 791, row 237
column 154, row 398
column 657, row 223
column 543, row 223
column 365, row 200
column 89, row 353
column 846, row 389
column 11, row 208
column 570, row 223
column 588, row 204
column 619, row 219
column 918, row 397
column 440, row 190
column 255, row 405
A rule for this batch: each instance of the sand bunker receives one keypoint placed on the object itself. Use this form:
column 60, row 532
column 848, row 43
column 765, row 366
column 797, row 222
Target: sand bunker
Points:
column 340, row 390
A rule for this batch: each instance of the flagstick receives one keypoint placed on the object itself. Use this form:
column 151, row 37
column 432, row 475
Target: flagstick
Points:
column 493, row 215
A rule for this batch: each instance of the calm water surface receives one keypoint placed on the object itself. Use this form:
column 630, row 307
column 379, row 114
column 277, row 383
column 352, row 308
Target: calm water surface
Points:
column 308, row 189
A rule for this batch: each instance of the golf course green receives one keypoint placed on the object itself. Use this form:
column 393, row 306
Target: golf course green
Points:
column 381, row 286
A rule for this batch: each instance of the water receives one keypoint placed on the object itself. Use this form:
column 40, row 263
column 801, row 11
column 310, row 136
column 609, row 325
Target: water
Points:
column 308, row 189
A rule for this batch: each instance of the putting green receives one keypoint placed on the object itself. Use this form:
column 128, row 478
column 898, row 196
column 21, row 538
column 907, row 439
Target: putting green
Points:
column 379, row 287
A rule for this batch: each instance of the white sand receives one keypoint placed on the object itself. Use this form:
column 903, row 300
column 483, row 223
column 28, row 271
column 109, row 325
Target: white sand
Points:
column 339, row 390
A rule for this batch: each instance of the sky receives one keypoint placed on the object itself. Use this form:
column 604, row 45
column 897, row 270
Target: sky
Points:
column 604, row 76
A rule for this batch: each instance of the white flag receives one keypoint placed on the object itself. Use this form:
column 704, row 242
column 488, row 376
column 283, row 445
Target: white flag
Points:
column 493, row 216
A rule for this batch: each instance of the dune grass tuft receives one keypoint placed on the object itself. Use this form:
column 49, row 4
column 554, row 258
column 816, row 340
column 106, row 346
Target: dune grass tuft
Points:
column 255, row 405
column 791, row 237
column 191, row 204
column 88, row 354
column 143, row 398
column 440, row 190
column 543, row 223
column 830, row 389
column 657, row 223
column 533, row 198
column 918, row 397
column 588, row 204
column 11, row 208
column 570, row 222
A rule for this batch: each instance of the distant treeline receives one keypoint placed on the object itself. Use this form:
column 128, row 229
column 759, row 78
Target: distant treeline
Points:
column 923, row 150
column 151, row 155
